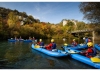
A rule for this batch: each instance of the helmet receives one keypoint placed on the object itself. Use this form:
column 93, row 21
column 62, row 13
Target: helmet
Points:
column 83, row 38
column 52, row 40
column 65, row 44
column 90, row 44
column 73, row 39
column 40, row 40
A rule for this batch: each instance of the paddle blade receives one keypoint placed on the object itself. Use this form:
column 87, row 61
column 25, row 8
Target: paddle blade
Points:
column 37, row 46
column 65, row 44
column 95, row 59
column 73, row 52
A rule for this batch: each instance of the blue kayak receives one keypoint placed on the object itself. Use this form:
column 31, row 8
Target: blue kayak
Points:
column 58, row 53
column 78, row 47
column 82, row 58
column 21, row 39
column 27, row 40
column 12, row 40
column 97, row 46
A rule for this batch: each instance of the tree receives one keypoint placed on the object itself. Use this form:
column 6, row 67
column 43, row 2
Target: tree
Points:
column 80, row 25
column 70, row 25
column 91, row 11
column 31, row 17
column 12, row 20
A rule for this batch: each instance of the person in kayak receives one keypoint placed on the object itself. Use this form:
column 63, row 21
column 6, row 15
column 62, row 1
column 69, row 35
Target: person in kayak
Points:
column 15, row 38
column 33, row 38
column 51, row 46
column 87, row 40
column 90, row 52
column 20, row 37
column 74, row 43
column 40, row 43
column 65, row 44
column 30, row 38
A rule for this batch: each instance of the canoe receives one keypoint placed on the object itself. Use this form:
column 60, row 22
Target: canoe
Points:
column 82, row 58
column 27, row 40
column 97, row 46
column 78, row 47
column 58, row 53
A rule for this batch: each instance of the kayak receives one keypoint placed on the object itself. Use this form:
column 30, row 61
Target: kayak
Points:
column 27, row 40
column 97, row 47
column 12, row 40
column 78, row 47
column 21, row 39
column 75, row 55
column 58, row 53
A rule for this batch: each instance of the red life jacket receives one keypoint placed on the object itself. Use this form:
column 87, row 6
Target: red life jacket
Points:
column 91, row 52
column 74, row 43
column 49, row 46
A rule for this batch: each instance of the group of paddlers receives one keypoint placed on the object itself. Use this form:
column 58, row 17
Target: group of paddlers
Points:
column 90, row 51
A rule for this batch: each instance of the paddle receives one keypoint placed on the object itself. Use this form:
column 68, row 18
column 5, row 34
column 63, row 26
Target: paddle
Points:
column 37, row 46
column 73, row 52
column 95, row 59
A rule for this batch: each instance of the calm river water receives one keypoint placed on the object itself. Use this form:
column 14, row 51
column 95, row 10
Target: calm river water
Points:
column 20, row 55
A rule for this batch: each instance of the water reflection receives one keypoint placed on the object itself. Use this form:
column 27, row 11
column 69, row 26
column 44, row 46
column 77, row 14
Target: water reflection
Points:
column 16, row 51
column 50, row 60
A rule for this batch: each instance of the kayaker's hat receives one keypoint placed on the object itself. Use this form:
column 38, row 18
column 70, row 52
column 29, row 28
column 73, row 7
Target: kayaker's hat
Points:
column 65, row 44
column 40, row 40
column 52, row 40
column 84, row 38
column 90, row 44
column 73, row 39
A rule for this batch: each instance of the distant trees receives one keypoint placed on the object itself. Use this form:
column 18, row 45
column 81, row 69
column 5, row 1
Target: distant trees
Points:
column 80, row 26
column 91, row 11
column 12, row 20
column 14, row 23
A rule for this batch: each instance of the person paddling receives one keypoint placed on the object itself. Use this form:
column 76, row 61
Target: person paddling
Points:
column 90, row 52
column 51, row 46
column 86, row 40
column 74, row 43
column 41, row 43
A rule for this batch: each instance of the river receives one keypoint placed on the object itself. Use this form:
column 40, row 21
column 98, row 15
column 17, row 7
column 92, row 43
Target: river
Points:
column 20, row 55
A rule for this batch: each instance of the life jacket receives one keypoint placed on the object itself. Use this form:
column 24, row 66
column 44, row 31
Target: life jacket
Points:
column 74, row 43
column 86, row 40
column 48, row 47
column 53, row 46
column 93, row 52
column 41, row 44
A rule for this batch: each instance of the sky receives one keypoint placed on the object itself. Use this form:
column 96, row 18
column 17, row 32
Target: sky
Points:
column 52, row 12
